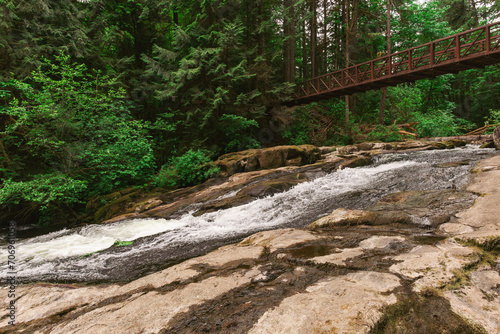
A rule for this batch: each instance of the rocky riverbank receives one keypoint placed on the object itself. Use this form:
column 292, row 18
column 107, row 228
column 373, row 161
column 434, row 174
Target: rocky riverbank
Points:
column 415, row 262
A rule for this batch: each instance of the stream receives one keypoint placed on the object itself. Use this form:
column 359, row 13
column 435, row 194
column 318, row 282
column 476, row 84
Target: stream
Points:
column 88, row 254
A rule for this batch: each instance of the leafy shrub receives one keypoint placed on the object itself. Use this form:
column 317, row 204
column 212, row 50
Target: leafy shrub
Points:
column 191, row 168
column 43, row 190
column 494, row 117
column 438, row 123
column 384, row 133
column 236, row 131
column 76, row 122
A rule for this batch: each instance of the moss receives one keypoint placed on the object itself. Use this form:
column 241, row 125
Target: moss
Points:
column 426, row 312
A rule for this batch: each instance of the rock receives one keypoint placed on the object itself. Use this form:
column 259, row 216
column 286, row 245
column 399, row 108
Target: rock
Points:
column 150, row 312
column 344, row 304
column 372, row 243
column 453, row 164
column 496, row 137
column 340, row 257
column 275, row 239
column 431, row 266
column 342, row 217
column 452, row 143
column 490, row 144
column 478, row 302
column 356, row 162
column 455, row 229
column 429, row 208
column 326, row 149
column 483, row 215
column 349, row 149
column 267, row 158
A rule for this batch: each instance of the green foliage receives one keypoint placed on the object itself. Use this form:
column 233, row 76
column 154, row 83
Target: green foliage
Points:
column 119, row 243
column 298, row 133
column 191, row 168
column 494, row 117
column 384, row 134
column 236, row 131
column 437, row 123
column 77, row 123
column 42, row 190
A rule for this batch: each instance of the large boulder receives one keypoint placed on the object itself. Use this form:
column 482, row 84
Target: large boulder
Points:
column 496, row 137
column 267, row 158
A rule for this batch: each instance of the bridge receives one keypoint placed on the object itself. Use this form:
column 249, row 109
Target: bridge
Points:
column 473, row 48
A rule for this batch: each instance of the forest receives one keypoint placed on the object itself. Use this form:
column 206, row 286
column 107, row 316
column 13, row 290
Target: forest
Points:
column 97, row 96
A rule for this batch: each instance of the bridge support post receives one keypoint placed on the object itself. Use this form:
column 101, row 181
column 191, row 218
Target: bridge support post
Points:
column 488, row 38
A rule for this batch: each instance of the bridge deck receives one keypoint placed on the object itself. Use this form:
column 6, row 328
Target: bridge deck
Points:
column 474, row 48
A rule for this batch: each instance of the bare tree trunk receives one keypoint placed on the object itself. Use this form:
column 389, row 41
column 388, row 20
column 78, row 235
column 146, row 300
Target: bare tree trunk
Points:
column 304, row 47
column 325, row 36
column 384, row 90
column 474, row 9
column 347, row 60
column 289, row 44
column 314, row 33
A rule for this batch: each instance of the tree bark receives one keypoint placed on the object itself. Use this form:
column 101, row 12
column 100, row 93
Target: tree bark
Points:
column 347, row 60
column 289, row 44
column 384, row 90
column 314, row 34
column 325, row 37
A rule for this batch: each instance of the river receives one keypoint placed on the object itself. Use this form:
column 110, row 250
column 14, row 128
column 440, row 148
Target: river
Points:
column 88, row 254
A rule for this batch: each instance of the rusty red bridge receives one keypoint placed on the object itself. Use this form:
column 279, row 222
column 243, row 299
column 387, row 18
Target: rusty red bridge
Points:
column 474, row 48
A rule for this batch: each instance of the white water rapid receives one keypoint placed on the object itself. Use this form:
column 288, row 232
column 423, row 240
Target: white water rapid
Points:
column 86, row 254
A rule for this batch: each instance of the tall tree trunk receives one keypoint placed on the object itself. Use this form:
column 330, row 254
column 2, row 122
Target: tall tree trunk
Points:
column 304, row 48
column 289, row 44
column 325, row 37
column 475, row 13
column 314, row 34
column 347, row 60
column 384, row 90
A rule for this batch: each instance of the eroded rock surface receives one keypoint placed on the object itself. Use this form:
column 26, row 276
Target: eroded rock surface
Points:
column 427, row 258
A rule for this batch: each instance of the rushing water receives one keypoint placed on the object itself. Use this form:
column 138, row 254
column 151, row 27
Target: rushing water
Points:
column 86, row 254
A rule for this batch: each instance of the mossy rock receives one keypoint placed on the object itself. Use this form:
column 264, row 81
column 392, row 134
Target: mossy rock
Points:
column 452, row 143
column 357, row 162
column 267, row 158
column 490, row 144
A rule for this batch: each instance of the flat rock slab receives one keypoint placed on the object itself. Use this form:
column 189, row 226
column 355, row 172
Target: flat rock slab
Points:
column 432, row 266
column 479, row 302
column 345, row 304
column 149, row 312
column 281, row 238
column 484, row 216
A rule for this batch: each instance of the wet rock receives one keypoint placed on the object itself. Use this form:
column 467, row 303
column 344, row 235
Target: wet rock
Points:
column 380, row 242
column 356, row 162
column 283, row 238
column 430, row 208
column 267, row 158
column 496, row 137
column 345, row 304
column 453, row 164
column 452, row 143
column 342, row 217
column 490, row 144
column 253, row 191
